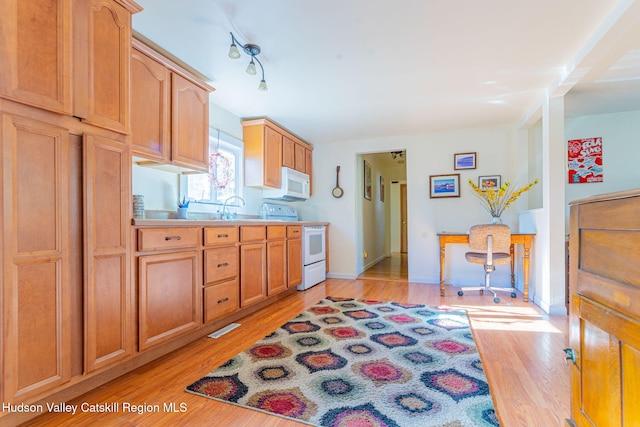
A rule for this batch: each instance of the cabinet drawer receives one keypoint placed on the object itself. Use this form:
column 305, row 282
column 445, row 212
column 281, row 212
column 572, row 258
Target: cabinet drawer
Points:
column 221, row 300
column 253, row 233
column 155, row 239
column 220, row 235
column 276, row 232
column 220, row 264
column 294, row 231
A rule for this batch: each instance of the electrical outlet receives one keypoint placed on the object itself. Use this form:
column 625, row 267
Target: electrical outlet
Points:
column 366, row 255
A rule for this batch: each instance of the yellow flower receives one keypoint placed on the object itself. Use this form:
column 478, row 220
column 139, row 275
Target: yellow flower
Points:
column 497, row 201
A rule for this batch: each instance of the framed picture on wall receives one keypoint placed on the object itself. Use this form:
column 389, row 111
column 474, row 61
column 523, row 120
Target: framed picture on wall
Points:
column 464, row 161
column 382, row 188
column 367, row 181
column 489, row 182
column 441, row 186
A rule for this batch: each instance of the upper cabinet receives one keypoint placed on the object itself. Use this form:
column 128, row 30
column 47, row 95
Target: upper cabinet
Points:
column 35, row 46
column 52, row 49
column 169, row 111
column 267, row 148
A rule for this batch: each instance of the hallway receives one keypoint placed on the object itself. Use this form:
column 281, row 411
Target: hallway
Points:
column 393, row 267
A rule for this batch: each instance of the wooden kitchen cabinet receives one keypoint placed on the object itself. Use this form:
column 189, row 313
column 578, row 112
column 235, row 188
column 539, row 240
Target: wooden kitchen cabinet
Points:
column 36, row 286
column 169, row 111
column 253, row 260
column 102, row 51
column 294, row 255
column 29, row 27
column 276, row 259
column 267, row 148
column 169, row 294
column 221, row 270
column 605, row 310
column 107, row 285
column 55, row 48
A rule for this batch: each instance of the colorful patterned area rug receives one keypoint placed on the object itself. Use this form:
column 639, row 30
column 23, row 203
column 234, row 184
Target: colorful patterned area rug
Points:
column 347, row 362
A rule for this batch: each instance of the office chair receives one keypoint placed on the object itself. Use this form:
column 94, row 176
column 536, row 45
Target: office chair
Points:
column 489, row 244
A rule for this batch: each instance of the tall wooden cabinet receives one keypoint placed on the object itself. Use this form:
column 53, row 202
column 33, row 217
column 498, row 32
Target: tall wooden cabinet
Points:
column 36, row 340
column 107, row 290
column 605, row 310
column 169, row 111
column 64, row 77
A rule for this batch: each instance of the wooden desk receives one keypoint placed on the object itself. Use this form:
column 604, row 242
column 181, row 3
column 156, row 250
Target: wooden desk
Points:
column 523, row 239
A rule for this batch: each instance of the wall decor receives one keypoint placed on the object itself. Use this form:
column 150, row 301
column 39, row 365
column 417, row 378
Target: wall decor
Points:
column 464, row 161
column 382, row 188
column 444, row 185
column 584, row 158
column 367, row 180
column 489, row 181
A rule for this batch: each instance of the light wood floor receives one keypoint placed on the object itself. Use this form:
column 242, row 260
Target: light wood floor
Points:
column 520, row 347
column 393, row 267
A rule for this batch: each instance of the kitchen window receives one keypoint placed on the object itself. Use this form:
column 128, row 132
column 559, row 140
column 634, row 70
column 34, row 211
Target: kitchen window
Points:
column 225, row 173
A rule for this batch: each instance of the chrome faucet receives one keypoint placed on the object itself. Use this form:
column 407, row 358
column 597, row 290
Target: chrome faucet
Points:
column 226, row 215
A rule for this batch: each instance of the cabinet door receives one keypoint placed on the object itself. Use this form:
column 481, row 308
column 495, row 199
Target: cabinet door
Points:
column 276, row 266
column 107, row 296
column 288, row 152
column 300, row 158
column 253, row 285
column 35, row 258
column 36, row 53
column 294, row 264
column 272, row 158
column 102, row 52
column 308, row 168
column 169, row 296
column 189, row 124
column 150, row 107
column 605, row 386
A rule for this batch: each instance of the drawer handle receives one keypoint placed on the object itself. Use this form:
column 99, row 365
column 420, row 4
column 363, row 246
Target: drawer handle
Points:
column 224, row 264
column 295, row 231
column 220, row 301
column 222, row 235
column 172, row 238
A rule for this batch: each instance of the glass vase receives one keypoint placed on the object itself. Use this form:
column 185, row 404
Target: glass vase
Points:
column 496, row 220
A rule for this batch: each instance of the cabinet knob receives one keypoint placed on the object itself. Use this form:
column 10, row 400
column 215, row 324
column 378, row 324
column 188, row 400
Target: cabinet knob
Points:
column 172, row 238
column 569, row 355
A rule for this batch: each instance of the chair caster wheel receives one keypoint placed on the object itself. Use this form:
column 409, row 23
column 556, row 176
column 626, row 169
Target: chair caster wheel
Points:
column 513, row 295
column 460, row 293
column 496, row 300
column 481, row 292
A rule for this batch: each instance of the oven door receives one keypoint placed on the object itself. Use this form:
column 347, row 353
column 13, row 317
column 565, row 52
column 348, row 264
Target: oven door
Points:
column 313, row 244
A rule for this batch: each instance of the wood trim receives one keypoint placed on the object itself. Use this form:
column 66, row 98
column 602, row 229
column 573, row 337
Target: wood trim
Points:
column 283, row 131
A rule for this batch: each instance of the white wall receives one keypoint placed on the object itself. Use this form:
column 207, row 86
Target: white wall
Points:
column 620, row 134
column 428, row 154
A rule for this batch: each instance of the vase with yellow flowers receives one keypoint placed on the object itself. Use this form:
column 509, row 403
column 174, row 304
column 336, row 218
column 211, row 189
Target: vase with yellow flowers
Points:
column 497, row 200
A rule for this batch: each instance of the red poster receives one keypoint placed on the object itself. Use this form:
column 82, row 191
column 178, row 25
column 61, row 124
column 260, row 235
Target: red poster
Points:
column 585, row 160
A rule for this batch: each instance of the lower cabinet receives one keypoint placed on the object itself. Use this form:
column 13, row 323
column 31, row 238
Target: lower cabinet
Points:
column 169, row 296
column 221, row 300
column 276, row 259
column 294, row 255
column 253, row 260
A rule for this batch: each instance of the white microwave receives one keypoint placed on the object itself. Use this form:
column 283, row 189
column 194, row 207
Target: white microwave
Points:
column 293, row 186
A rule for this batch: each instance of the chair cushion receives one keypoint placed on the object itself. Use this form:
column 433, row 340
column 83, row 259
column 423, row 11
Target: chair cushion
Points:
column 481, row 258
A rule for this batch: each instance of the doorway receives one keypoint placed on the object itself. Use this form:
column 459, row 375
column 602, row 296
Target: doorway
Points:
column 382, row 231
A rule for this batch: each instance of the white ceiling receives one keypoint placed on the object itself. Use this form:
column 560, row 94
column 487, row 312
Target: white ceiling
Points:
column 341, row 70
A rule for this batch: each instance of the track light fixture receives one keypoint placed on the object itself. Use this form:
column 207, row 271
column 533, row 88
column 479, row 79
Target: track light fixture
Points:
column 252, row 50
column 396, row 154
